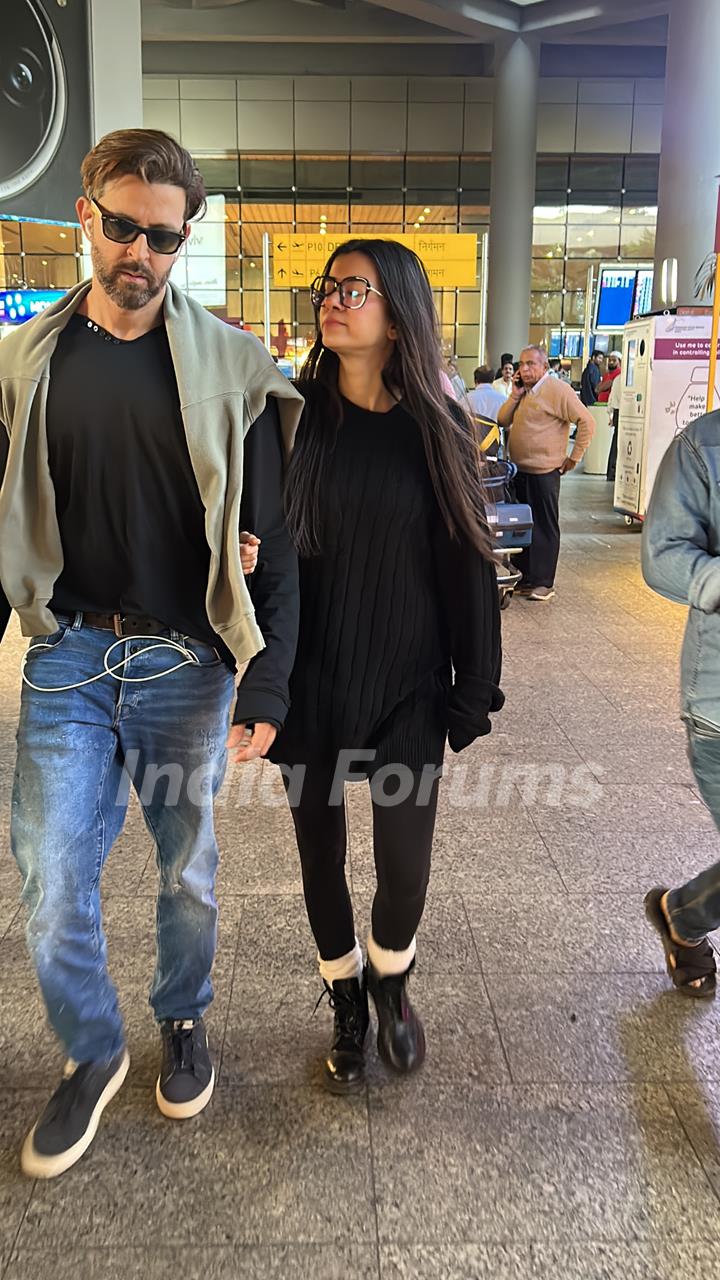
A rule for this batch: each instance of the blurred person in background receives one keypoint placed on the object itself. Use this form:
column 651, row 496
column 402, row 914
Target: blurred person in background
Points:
column 538, row 416
column 503, row 381
column 613, row 372
column 591, row 379
column 484, row 400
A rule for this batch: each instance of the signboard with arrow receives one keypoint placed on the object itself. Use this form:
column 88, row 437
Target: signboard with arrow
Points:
column 450, row 260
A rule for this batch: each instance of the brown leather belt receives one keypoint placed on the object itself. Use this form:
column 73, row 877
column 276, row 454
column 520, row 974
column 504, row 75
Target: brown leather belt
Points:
column 122, row 625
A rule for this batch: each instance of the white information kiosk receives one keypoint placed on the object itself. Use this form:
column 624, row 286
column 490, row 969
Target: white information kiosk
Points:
column 665, row 375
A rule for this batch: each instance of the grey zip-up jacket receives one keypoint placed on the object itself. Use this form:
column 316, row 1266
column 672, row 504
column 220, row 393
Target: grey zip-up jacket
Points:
column 224, row 378
column 681, row 559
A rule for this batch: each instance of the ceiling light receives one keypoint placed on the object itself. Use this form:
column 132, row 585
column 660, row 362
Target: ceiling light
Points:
column 323, row 231
column 323, row 217
column 421, row 218
column 426, row 210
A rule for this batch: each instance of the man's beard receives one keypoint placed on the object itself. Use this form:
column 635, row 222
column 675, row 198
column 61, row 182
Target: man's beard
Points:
column 128, row 294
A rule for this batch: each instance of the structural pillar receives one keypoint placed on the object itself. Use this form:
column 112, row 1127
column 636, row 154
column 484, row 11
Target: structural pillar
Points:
column 116, row 66
column 690, row 149
column 512, row 194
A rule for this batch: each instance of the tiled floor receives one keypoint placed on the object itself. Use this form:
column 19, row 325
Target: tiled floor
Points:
column 566, row 1122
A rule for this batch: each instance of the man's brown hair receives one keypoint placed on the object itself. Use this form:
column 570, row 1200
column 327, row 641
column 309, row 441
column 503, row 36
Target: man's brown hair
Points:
column 148, row 154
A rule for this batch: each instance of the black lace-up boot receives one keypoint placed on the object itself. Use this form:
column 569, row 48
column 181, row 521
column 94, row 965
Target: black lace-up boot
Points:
column 344, row 1067
column 401, row 1038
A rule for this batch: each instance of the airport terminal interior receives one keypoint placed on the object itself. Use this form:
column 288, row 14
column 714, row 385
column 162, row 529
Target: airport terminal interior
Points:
column 554, row 165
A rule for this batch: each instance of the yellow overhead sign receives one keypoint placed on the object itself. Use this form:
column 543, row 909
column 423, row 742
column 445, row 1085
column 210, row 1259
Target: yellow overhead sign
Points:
column 450, row 260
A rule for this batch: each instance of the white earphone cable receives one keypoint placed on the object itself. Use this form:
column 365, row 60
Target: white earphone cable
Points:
column 190, row 659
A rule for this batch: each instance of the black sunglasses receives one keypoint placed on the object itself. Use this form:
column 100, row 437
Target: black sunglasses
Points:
column 353, row 291
column 123, row 231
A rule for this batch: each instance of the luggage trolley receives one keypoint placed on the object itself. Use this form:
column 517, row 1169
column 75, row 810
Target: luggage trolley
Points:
column 511, row 523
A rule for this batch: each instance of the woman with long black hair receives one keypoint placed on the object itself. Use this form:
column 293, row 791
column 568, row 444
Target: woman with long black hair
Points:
column 398, row 588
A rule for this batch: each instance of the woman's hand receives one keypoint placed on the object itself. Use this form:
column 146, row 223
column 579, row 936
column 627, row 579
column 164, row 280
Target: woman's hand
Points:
column 245, row 744
column 249, row 552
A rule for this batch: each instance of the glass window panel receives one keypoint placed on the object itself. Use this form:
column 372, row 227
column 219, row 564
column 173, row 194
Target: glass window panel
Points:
column 447, row 337
column 10, row 237
column 593, row 242
column 281, row 212
column 642, row 172
column 446, row 306
column 443, row 217
column 219, row 172
column 586, row 213
column 467, row 341
column 548, row 273
column 432, row 172
column 382, row 198
column 376, row 172
column 601, row 174
column 267, row 171
column 43, row 239
column 382, row 228
column 252, row 304
column 637, row 212
column 11, row 270
column 539, row 335
column 468, row 306
column 232, row 240
column 574, row 308
column 475, row 215
column 551, row 214
column 281, row 307
column 548, row 242
column 252, row 273
column 53, row 272
column 545, row 308
column 233, row 305
column 552, row 173
column 475, row 173
column 311, row 204
column 637, row 242
column 305, row 310
column 322, row 171
column 377, row 215
column 431, row 197
column 233, row 273
column 551, row 203
column 576, row 274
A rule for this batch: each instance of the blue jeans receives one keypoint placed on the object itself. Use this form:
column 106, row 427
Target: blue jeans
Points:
column 78, row 752
column 695, row 907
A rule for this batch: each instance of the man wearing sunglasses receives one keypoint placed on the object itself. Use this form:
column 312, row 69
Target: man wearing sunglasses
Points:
column 138, row 436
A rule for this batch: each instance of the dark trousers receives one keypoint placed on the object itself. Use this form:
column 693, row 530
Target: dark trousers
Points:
column 612, row 456
column 402, row 844
column 538, row 562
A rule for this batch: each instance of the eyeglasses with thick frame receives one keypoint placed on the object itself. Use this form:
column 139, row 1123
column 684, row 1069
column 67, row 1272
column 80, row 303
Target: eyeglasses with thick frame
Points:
column 351, row 296
column 123, row 231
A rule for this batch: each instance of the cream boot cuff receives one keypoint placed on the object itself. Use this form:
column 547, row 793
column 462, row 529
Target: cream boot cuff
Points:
column 347, row 966
column 387, row 963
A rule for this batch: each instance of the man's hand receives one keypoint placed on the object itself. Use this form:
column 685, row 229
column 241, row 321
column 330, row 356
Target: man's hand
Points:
column 517, row 389
column 568, row 465
column 245, row 745
column 249, row 552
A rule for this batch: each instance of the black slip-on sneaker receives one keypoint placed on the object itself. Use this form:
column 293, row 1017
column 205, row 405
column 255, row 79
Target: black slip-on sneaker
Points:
column 187, row 1078
column 70, row 1120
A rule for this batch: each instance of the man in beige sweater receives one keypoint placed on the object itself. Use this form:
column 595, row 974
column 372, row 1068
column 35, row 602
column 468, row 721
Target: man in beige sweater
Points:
column 538, row 415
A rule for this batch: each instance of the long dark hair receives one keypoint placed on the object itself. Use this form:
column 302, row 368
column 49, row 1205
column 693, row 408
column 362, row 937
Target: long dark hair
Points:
column 413, row 373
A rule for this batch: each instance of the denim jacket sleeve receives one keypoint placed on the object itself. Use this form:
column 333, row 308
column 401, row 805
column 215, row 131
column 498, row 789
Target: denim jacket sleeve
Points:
column 678, row 560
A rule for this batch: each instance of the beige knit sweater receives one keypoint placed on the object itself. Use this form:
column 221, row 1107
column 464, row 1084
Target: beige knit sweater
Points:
column 540, row 427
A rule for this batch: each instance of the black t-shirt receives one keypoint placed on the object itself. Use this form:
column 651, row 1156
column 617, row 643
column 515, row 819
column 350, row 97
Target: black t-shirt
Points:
column 132, row 523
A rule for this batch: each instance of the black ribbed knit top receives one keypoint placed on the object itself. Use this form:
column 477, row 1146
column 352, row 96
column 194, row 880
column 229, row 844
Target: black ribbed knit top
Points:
column 381, row 605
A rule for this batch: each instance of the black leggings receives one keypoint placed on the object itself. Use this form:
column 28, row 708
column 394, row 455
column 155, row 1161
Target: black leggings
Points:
column 402, row 843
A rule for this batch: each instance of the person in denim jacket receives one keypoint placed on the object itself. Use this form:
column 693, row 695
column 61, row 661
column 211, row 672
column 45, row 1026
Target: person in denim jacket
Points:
column 681, row 560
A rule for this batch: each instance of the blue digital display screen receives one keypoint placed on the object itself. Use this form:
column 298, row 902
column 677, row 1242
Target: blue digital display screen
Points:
column 617, row 292
column 19, row 305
